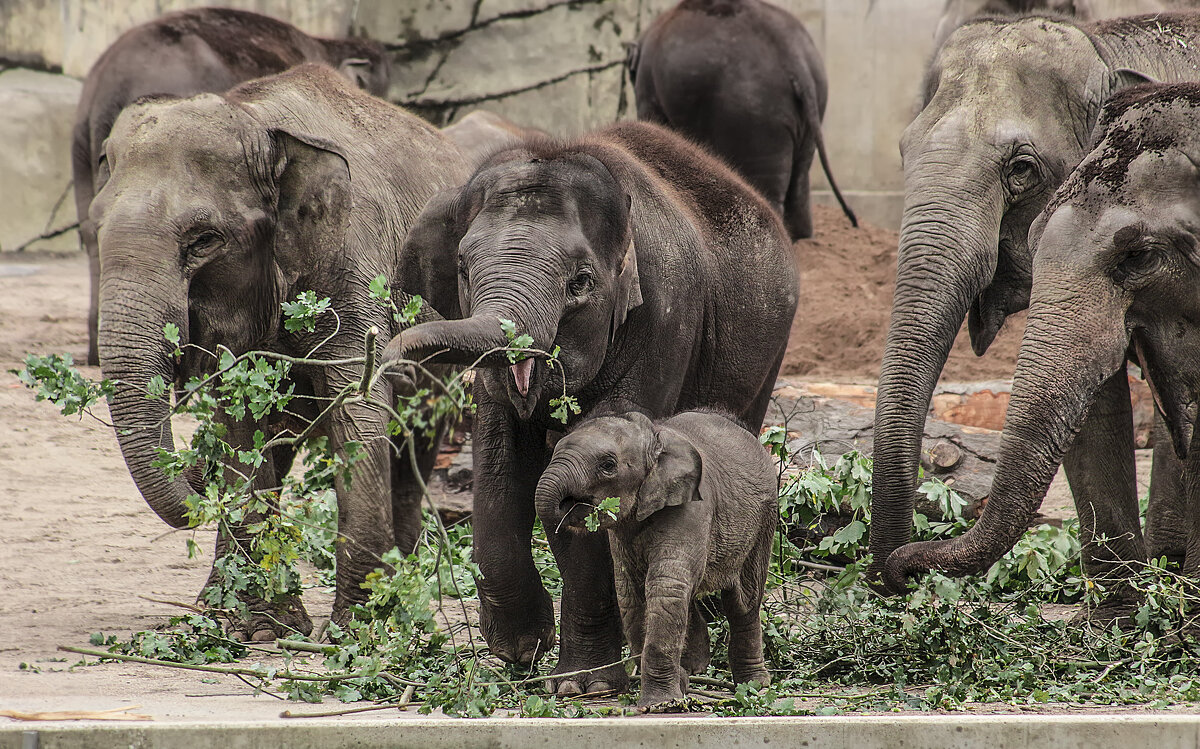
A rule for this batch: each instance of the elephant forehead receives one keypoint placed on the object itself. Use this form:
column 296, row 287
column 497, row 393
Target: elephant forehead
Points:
column 204, row 128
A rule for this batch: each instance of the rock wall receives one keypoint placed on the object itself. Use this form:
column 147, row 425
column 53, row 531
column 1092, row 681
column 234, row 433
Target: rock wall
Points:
column 551, row 64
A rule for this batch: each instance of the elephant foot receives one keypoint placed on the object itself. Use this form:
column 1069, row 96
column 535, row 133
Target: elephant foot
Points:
column 610, row 678
column 268, row 621
column 758, row 675
column 518, row 634
column 665, row 699
column 1112, row 610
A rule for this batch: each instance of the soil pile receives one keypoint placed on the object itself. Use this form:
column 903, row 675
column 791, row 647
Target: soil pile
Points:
column 847, row 277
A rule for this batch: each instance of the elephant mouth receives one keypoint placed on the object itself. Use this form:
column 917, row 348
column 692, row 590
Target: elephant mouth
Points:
column 523, row 381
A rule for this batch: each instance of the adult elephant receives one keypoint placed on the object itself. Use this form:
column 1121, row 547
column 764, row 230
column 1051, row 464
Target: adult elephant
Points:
column 215, row 209
column 204, row 50
column 743, row 78
column 1115, row 274
column 665, row 282
column 1008, row 109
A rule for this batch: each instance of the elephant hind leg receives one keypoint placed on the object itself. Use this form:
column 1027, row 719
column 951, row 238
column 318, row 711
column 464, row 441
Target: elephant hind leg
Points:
column 797, row 209
column 406, row 490
column 1166, row 524
column 697, row 652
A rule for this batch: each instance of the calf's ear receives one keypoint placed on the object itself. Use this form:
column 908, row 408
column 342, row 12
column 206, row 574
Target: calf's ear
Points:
column 675, row 476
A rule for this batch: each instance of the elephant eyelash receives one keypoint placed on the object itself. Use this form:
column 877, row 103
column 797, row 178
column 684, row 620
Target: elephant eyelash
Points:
column 204, row 241
column 581, row 284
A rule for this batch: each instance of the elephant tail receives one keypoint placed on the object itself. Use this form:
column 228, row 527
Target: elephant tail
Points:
column 813, row 119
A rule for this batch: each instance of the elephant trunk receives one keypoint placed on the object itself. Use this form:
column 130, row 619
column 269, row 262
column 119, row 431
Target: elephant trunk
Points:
column 1069, row 351
column 559, row 491
column 478, row 339
column 132, row 352
column 948, row 250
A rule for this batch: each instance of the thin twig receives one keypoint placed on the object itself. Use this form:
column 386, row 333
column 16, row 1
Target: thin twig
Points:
column 257, row 673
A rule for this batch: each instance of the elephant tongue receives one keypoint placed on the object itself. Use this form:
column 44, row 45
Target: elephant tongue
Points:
column 522, row 371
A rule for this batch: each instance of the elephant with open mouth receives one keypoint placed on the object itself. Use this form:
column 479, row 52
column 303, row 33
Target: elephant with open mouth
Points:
column 1008, row 110
column 214, row 210
column 1114, row 277
column 664, row 282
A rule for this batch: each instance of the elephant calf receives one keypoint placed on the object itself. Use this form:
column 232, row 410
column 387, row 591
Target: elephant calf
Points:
column 697, row 514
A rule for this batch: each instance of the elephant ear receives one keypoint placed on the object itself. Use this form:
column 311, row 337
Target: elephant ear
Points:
column 628, row 288
column 357, row 70
column 676, row 476
column 313, row 201
column 429, row 257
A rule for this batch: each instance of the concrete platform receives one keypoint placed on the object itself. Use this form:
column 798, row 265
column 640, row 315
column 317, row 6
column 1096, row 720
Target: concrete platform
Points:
column 1094, row 731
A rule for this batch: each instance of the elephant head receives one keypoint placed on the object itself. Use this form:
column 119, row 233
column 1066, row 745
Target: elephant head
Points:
column 205, row 217
column 648, row 467
column 1116, row 271
column 1009, row 107
column 543, row 239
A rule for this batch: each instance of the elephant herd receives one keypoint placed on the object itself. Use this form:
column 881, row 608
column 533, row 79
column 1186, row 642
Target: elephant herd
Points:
column 1053, row 165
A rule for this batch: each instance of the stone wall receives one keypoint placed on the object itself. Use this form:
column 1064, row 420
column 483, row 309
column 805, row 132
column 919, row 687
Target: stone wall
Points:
column 552, row 64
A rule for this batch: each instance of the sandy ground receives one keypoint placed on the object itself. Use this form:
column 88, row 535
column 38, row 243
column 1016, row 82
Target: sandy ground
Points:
column 79, row 548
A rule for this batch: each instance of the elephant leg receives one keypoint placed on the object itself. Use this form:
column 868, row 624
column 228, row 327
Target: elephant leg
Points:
column 797, row 210
column 631, row 592
column 668, row 602
column 742, row 603
column 406, row 490
column 1166, row 516
column 697, row 651
column 1100, row 469
column 262, row 619
column 515, row 611
column 590, row 620
column 365, row 528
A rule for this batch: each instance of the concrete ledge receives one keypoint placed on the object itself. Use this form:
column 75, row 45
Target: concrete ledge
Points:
column 1094, row 731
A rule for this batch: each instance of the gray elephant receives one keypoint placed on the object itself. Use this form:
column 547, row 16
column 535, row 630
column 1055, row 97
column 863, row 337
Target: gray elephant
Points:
column 203, row 50
column 1008, row 109
column 697, row 515
column 215, row 209
column 664, row 282
column 743, row 78
column 1115, row 275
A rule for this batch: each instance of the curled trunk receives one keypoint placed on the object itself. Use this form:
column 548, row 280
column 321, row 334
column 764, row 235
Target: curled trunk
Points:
column 132, row 352
column 947, row 256
column 1067, row 354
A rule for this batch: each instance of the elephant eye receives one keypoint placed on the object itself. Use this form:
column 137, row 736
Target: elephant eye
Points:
column 1138, row 263
column 462, row 268
column 581, row 284
column 204, row 242
column 1022, row 174
column 608, row 465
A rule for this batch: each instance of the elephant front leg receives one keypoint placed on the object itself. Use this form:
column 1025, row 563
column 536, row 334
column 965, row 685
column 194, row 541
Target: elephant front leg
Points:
column 668, row 603
column 264, row 615
column 590, row 620
column 407, row 496
column 515, row 611
column 1100, row 470
column 364, row 508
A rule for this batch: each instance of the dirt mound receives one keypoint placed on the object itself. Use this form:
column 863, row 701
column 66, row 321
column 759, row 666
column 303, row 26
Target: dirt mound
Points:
column 847, row 277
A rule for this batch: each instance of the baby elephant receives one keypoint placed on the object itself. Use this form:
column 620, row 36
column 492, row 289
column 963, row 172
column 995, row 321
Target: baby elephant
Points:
column 698, row 508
